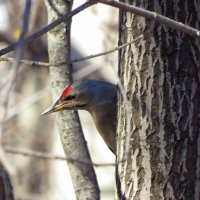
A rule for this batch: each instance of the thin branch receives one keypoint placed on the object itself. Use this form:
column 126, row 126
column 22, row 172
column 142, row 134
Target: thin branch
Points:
column 27, row 62
column 107, row 52
column 47, row 156
column 46, row 29
column 46, row 64
column 152, row 16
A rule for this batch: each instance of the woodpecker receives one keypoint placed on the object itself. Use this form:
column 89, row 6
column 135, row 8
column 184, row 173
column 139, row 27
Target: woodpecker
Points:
column 97, row 97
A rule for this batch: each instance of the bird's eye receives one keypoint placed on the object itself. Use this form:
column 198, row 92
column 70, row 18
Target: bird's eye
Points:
column 70, row 97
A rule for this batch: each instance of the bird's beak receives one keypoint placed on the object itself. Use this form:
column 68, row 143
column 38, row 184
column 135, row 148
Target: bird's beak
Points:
column 58, row 106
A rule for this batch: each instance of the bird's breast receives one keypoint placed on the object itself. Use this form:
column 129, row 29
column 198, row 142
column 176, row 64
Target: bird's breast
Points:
column 106, row 125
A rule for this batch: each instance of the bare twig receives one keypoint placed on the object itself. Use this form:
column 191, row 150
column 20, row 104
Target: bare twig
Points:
column 107, row 52
column 46, row 29
column 47, row 156
column 46, row 64
column 152, row 16
column 27, row 62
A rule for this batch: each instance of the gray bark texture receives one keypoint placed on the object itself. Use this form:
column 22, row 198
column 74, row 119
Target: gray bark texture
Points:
column 74, row 144
column 161, row 76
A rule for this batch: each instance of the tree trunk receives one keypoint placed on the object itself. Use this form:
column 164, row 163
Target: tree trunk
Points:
column 74, row 144
column 6, row 189
column 161, row 76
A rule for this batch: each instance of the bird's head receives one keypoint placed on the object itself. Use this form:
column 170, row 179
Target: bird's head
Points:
column 74, row 97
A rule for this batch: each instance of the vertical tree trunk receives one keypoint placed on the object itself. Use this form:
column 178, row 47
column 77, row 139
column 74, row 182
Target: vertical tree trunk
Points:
column 74, row 144
column 6, row 189
column 161, row 75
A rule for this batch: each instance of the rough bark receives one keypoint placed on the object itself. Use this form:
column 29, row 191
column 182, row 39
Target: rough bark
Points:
column 74, row 144
column 161, row 75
